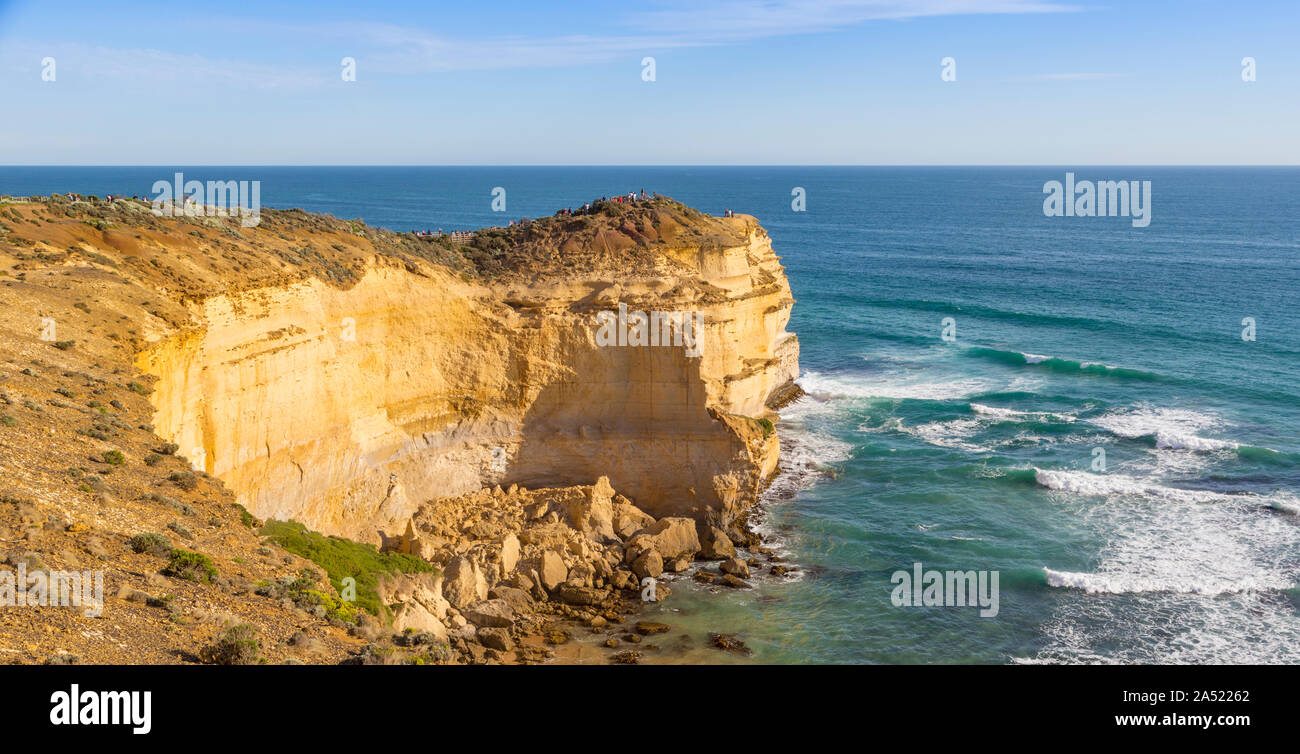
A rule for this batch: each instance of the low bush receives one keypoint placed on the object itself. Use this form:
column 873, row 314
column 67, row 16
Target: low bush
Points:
column 239, row 645
column 192, row 566
column 152, row 544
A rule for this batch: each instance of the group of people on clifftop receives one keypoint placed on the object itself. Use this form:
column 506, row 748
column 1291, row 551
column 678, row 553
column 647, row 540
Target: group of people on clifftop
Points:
column 594, row 205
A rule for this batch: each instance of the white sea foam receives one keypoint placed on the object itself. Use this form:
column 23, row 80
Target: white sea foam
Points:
column 958, row 433
column 949, row 434
column 1192, row 442
column 1285, row 502
column 1084, row 483
column 1010, row 413
column 807, row 455
column 1173, row 429
column 1191, row 583
column 892, row 387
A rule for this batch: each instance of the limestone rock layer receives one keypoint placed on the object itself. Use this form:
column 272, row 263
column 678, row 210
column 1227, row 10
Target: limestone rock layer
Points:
column 345, row 408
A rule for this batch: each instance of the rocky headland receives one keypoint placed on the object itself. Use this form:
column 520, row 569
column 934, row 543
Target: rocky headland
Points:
column 437, row 418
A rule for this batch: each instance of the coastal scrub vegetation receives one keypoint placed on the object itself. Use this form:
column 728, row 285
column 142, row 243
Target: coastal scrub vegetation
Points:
column 189, row 565
column 152, row 544
column 239, row 645
column 303, row 592
column 342, row 558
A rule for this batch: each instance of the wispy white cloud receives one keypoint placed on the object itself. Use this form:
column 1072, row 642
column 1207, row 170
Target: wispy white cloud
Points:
column 158, row 67
column 393, row 49
column 749, row 19
column 672, row 25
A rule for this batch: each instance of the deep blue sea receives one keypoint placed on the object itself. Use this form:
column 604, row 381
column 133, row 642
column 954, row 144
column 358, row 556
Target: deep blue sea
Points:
column 1097, row 431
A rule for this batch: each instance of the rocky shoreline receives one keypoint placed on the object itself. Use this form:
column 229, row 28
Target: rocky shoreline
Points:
column 531, row 576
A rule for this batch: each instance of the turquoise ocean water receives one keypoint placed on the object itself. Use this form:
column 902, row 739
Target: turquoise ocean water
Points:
column 1072, row 335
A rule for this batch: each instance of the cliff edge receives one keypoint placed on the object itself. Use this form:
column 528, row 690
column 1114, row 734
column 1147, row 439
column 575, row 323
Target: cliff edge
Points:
column 340, row 375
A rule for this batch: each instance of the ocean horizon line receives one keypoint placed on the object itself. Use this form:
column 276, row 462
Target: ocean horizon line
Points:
column 664, row 166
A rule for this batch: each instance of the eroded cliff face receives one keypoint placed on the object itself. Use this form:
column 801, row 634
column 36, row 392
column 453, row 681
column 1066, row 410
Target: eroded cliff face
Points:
column 346, row 407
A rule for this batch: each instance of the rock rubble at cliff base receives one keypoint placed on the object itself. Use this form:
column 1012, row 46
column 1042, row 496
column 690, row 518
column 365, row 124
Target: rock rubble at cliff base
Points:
column 522, row 570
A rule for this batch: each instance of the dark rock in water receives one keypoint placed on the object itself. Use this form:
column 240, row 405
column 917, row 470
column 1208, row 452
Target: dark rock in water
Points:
column 532, row 655
column 736, row 566
column 705, row 577
column 554, row 634
column 632, row 638
column 649, row 628
column 734, row 582
column 743, row 537
column 626, row 657
column 729, row 643
column 611, row 642
column 778, row 570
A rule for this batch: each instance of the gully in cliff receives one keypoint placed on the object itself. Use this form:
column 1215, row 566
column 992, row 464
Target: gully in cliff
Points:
column 638, row 328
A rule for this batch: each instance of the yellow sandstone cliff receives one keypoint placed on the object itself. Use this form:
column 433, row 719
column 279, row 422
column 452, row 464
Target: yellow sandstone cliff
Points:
column 345, row 406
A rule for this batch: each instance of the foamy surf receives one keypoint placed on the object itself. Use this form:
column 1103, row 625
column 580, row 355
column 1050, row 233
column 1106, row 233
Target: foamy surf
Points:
column 1171, row 429
column 1125, row 583
column 829, row 387
column 1221, row 568
column 1013, row 414
column 1084, row 483
column 1286, row 503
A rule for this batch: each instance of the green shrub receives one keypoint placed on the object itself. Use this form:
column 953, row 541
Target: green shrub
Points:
column 192, row 566
column 153, row 544
column 342, row 558
column 114, row 458
column 246, row 518
column 768, row 427
column 8, row 420
column 152, row 459
column 64, row 345
column 302, row 591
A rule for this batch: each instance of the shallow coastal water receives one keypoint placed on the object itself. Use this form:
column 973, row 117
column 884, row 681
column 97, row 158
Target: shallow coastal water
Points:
column 1072, row 334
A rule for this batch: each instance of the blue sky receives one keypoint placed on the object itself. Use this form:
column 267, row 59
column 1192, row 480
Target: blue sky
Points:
column 737, row 82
